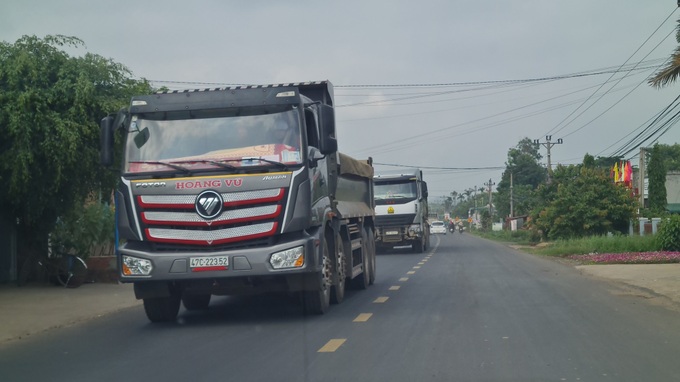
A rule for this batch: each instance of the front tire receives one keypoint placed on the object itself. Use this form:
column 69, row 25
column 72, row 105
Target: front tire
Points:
column 418, row 246
column 162, row 309
column 196, row 301
column 317, row 301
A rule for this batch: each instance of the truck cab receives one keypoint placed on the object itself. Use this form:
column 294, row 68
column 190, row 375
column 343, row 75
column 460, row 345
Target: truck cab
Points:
column 401, row 210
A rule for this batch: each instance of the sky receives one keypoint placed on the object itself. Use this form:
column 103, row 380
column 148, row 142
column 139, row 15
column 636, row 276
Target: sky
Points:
column 448, row 86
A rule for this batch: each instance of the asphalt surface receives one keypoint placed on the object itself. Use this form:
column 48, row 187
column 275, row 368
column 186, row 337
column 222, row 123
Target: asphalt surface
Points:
column 40, row 307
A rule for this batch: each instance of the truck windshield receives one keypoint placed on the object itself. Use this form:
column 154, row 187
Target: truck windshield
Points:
column 157, row 145
column 400, row 192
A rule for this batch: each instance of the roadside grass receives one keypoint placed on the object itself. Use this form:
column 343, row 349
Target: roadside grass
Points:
column 617, row 249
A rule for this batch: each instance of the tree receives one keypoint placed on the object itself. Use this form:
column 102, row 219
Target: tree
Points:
column 50, row 108
column 669, row 73
column 527, row 174
column 583, row 201
column 657, row 181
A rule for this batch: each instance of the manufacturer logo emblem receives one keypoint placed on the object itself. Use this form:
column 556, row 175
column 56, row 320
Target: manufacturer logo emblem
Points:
column 390, row 210
column 209, row 204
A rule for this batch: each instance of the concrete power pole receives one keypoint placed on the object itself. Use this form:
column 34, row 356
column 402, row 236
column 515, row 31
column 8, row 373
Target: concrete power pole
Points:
column 547, row 144
column 511, row 204
column 489, row 186
column 641, row 177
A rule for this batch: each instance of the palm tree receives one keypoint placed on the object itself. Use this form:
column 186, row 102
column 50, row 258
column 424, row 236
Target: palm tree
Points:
column 670, row 72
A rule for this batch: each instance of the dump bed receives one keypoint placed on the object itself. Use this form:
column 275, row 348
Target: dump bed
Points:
column 354, row 193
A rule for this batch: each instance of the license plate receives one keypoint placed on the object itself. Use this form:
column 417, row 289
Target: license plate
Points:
column 392, row 233
column 209, row 263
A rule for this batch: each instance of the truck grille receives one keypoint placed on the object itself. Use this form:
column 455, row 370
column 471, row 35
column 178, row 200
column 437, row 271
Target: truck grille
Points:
column 247, row 215
column 394, row 220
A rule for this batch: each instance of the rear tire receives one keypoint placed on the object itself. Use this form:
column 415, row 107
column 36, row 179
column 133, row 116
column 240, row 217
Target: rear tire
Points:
column 339, row 272
column 372, row 253
column 363, row 280
column 162, row 309
column 196, row 301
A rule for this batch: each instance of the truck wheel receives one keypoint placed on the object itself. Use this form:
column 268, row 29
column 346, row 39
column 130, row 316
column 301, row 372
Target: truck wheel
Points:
column 162, row 309
column 418, row 246
column 196, row 301
column 372, row 254
column 317, row 301
column 339, row 272
column 363, row 280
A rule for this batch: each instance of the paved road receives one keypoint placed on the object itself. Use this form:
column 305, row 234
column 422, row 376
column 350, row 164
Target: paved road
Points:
column 469, row 310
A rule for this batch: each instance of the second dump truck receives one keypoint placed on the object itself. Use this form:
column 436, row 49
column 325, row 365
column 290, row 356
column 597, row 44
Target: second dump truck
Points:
column 239, row 190
column 401, row 210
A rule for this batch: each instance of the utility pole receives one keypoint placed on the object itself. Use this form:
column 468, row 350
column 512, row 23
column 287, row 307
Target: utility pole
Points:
column 641, row 177
column 511, row 205
column 475, row 213
column 548, row 144
column 489, row 185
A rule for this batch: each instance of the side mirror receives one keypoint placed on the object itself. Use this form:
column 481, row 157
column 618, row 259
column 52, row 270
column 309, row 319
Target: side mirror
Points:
column 328, row 143
column 424, row 190
column 314, row 156
column 106, row 141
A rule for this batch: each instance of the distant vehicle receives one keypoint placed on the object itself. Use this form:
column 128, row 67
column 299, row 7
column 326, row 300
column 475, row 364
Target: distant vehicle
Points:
column 438, row 227
column 401, row 212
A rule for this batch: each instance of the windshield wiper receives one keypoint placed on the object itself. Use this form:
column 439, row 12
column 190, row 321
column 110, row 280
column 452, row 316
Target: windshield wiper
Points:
column 246, row 159
column 176, row 167
column 216, row 163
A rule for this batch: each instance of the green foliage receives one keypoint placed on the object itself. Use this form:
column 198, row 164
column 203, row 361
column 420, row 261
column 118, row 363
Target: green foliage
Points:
column 486, row 220
column 85, row 229
column 521, row 236
column 657, row 181
column 668, row 235
column 527, row 174
column 50, row 108
column 583, row 201
column 600, row 244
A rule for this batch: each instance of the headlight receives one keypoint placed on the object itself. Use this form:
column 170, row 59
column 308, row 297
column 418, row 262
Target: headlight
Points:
column 133, row 266
column 414, row 229
column 290, row 258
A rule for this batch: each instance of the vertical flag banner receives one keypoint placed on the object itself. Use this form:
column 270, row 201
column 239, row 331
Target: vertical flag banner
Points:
column 616, row 172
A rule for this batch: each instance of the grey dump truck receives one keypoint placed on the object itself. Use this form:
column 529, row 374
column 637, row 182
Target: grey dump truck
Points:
column 401, row 211
column 238, row 190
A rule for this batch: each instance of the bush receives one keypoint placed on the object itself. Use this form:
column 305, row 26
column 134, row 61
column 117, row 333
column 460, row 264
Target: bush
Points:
column 668, row 236
column 84, row 229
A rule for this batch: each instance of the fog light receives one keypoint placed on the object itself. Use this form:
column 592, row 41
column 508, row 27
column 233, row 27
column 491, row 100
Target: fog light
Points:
column 290, row 258
column 133, row 266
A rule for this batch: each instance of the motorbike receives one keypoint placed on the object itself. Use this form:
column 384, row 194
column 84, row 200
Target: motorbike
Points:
column 460, row 229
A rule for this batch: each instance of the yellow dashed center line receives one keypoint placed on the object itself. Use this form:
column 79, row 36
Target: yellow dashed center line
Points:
column 421, row 263
column 332, row 345
column 380, row 300
column 363, row 317
column 403, row 279
column 395, row 287
column 411, row 272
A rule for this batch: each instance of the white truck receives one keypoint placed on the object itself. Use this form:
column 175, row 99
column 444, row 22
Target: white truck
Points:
column 401, row 211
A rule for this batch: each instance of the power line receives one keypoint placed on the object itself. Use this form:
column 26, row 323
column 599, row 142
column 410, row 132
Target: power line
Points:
column 613, row 74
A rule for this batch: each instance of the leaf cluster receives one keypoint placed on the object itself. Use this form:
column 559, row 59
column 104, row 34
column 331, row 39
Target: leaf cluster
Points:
column 50, row 107
column 583, row 201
